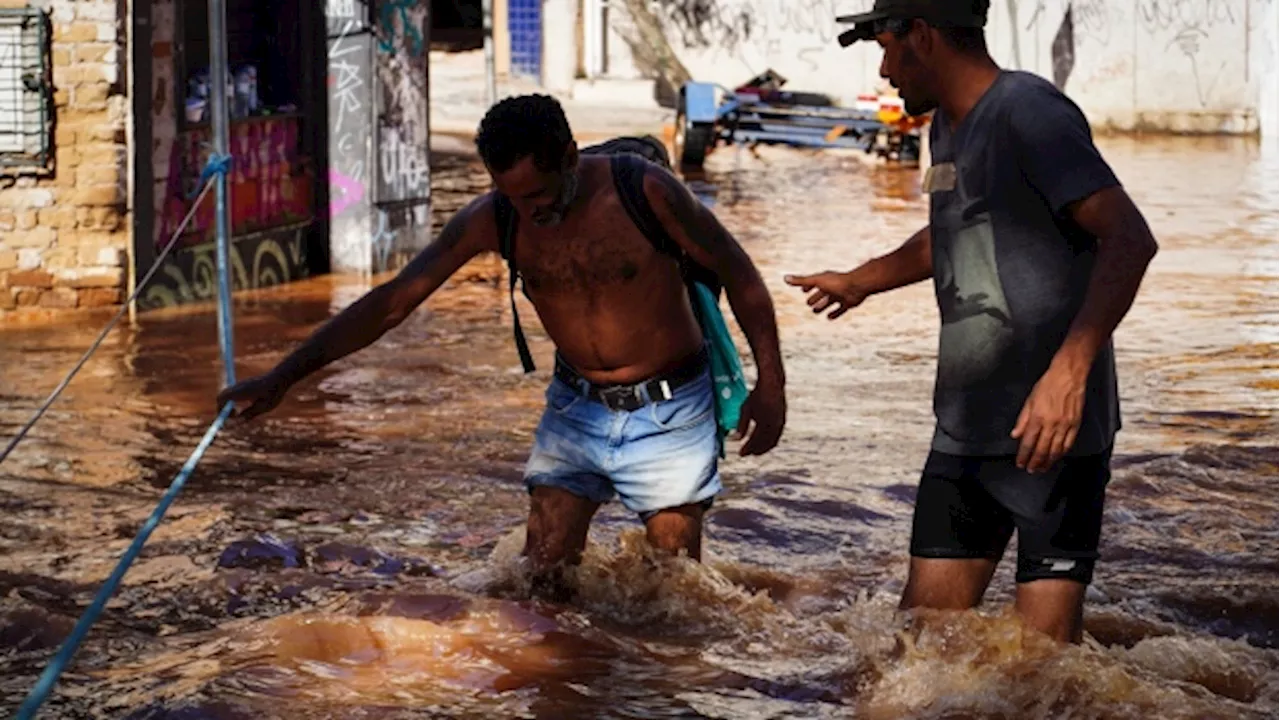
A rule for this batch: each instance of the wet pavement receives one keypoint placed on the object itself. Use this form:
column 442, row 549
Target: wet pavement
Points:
column 354, row 554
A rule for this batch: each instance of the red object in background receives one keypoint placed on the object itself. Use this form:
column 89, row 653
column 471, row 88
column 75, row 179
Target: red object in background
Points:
column 270, row 184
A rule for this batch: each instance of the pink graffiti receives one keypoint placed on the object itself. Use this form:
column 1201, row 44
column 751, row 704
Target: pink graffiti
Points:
column 352, row 192
column 271, row 183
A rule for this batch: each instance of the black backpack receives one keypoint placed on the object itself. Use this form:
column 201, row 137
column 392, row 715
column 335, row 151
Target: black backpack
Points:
column 629, row 158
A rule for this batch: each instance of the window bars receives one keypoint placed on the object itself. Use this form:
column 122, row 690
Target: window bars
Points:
column 26, row 126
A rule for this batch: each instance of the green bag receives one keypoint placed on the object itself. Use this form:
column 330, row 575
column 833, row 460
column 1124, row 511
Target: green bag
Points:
column 726, row 368
column 629, row 156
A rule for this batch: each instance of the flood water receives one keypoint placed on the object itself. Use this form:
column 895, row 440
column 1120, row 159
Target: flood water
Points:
column 355, row 553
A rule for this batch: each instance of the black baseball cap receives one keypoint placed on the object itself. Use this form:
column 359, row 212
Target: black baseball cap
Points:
column 938, row 13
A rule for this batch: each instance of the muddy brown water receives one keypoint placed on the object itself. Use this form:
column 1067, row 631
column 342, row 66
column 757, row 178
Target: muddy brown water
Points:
column 355, row 554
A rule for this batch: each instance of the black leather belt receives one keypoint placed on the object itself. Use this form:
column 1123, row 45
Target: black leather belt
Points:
column 633, row 397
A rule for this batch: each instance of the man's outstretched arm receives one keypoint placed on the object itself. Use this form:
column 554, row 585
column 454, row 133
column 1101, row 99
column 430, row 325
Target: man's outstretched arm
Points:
column 471, row 231
column 911, row 263
column 701, row 235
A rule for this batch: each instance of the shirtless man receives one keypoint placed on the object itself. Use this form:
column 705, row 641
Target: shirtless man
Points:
column 630, row 409
column 1036, row 253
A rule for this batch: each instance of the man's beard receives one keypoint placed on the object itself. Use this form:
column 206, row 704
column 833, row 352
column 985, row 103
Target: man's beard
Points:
column 554, row 215
column 918, row 107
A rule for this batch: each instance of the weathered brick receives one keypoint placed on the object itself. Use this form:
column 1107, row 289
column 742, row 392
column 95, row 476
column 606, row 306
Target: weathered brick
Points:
column 61, row 57
column 80, row 74
column 109, row 257
column 63, row 13
column 91, row 277
column 108, row 132
column 100, row 175
column 87, row 238
column 98, row 195
column 8, row 221
column 84, row 119
column 28, row 219
column 64, row 179
column 37, row 238
column 29, row 258
column 100, row 218
column 106, row 219
column 67, row 158
column 100, row 297
column 77, row 32
column 90, row 96
column 61, row 98
column 94, row 53
column 108, row 31
column 31, row 278
column 65, row 135
column 62, row 298
column 26, row 198
column 8, row 259
column 8, row 299
column 58, row 218
column 96, row 10
column 101, row 154
column 60, row 258
column 27, row 297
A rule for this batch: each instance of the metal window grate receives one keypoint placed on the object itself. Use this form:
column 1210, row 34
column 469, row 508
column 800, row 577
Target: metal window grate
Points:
column 524, row 20
column 25, row 125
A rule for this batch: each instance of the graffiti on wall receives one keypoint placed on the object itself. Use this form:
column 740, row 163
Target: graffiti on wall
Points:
column 1173, row 29
column 270, row 185
column 350, row 91
column 402, row 188
column 378, row 142
column 766, row 28
column 400, row 24
column 190, row 274
column 403, row 108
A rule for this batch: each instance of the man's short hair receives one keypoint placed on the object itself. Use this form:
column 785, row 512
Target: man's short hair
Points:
column 524, row 126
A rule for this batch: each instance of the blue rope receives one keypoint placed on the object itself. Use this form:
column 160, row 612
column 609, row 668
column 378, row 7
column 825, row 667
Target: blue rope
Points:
column 59, row 663
column 217, row 165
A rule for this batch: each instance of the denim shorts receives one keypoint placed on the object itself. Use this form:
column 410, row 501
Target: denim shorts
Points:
column 663, row 455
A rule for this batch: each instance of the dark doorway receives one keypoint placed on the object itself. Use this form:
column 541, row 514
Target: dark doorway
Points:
column 457, row 25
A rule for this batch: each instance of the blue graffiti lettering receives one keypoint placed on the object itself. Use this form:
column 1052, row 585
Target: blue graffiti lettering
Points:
column 387, row 24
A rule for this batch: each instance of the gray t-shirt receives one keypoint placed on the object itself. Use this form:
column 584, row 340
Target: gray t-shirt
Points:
column 1010, row 267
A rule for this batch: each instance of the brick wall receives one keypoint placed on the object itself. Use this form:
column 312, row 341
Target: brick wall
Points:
column 64, row 231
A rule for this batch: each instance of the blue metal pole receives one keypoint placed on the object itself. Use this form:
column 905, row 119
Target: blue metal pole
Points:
column 221, row 145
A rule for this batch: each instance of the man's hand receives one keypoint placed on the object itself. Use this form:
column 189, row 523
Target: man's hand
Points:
column 830, row 288
column 1050, row 418
column 263, row 393
column 766, row 406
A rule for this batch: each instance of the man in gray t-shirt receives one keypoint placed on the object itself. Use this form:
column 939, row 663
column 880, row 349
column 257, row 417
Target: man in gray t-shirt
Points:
column 1036, row 254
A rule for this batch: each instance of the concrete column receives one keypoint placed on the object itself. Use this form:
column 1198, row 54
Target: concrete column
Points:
column 501, row 39
column 559, row 44
column 379, row 170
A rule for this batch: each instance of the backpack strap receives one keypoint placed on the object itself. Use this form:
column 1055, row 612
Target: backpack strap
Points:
column 506, row 217
column 628, row 180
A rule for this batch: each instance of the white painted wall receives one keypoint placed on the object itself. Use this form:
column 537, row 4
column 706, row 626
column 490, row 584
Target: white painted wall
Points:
column 1173, row 65
column 1264, row 45
column 559, row 44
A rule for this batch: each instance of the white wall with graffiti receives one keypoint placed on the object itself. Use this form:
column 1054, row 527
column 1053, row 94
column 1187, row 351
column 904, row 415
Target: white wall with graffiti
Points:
column 379, row 179
column 1179, row 65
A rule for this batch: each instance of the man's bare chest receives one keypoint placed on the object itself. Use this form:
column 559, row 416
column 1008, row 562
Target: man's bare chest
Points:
column 583, row 261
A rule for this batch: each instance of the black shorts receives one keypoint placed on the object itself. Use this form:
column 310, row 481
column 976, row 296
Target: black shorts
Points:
column 968, row 507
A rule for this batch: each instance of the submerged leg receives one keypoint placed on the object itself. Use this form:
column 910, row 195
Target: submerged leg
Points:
column 556, row 537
